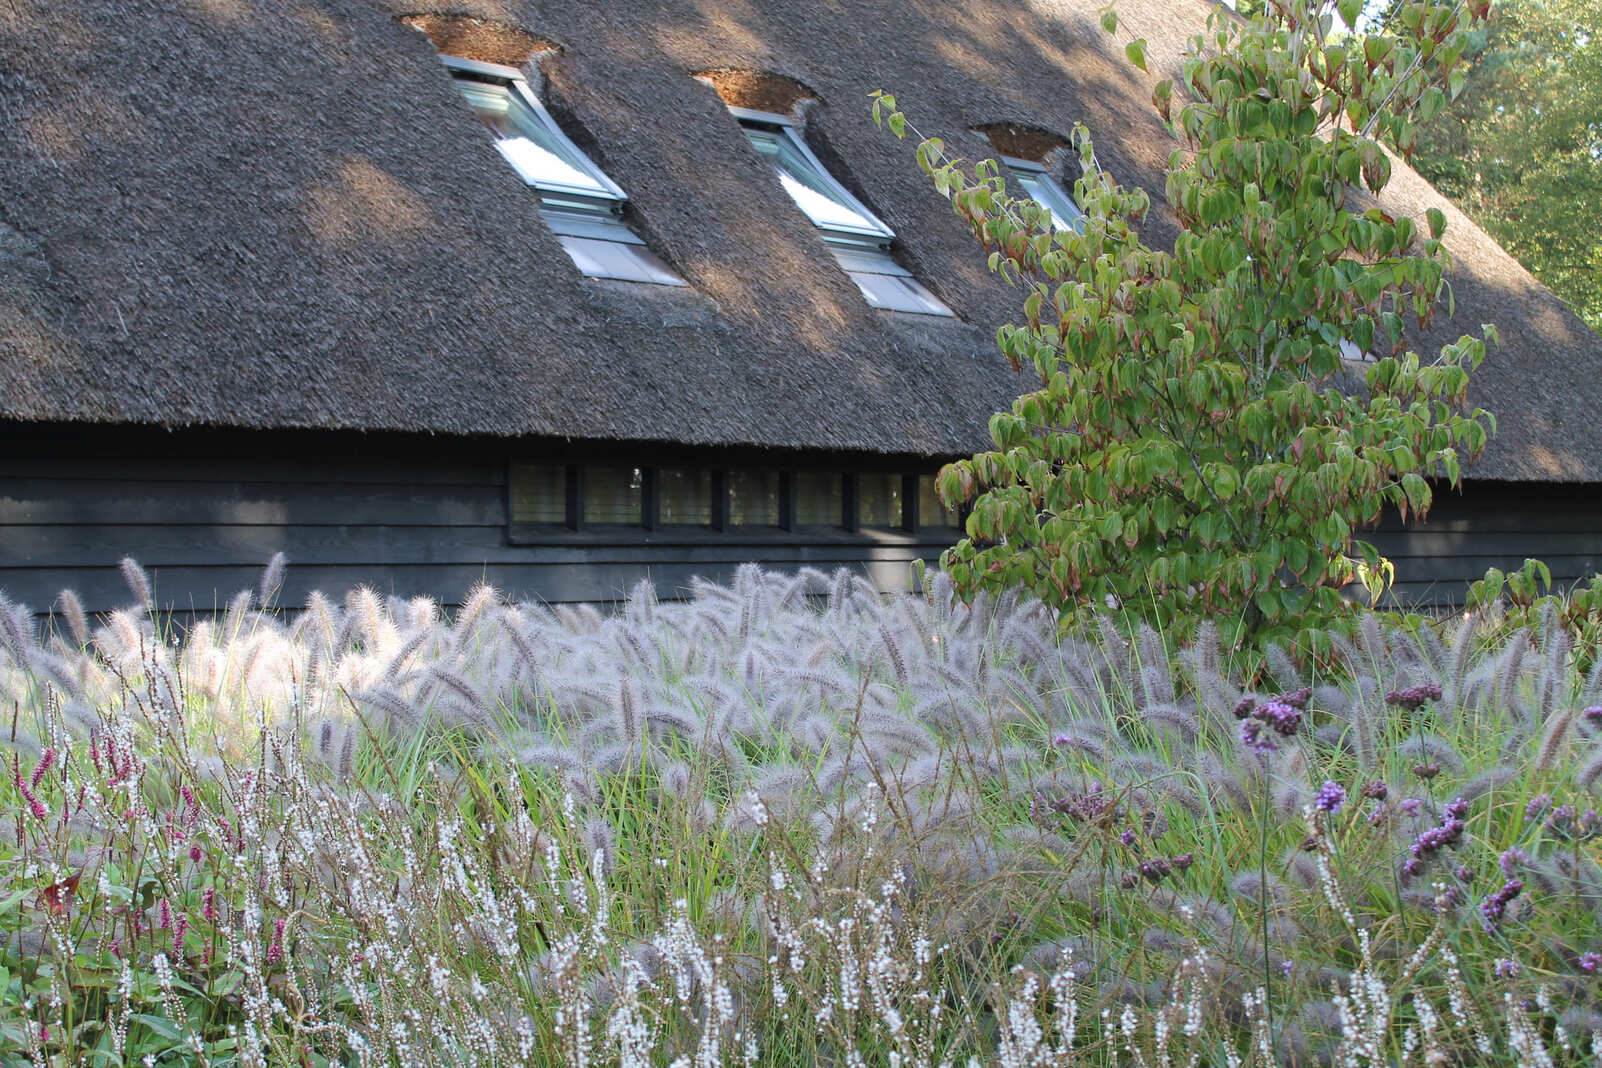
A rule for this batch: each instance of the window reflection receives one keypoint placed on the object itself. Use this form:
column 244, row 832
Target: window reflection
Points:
column 614, row 495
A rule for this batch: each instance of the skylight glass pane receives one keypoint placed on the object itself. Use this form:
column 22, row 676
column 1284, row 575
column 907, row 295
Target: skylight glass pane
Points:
column 898, row 293
column 754, row 499
column 539, row 493
column 885, row 283
column 614, row 495
column 617, row 260
column 879, row 500
column 684, row 497
column 532, row 143
column 1350, row 351
column 814, row 191
column 1045, row 191
column 818, row 499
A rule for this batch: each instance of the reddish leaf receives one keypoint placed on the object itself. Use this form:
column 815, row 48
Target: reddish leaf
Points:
column 57, row 898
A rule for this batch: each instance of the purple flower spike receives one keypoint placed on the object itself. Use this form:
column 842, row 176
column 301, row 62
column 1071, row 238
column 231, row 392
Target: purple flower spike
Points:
column 1331, row 796
column 1128, row 838
column 1456, row 809
column 1414, row 697
column 1255, row 739
column 1510, row 861
column 1155, row 870
column 1590, row 961
column 1593, row 714
column 1495, row 906
column 1507, row 969
column 1283, row 717
column 1298, row 698
column 1537, row 805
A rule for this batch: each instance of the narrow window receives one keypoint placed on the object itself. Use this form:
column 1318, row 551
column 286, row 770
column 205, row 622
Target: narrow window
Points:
column 1045, row 190
column 931, row 513
column 538, row 493
column 582, row 206
column 754, row 499
column 859, row 240
column 819, row 499
column 879, row 500
column 614, row 496
column 684, row 497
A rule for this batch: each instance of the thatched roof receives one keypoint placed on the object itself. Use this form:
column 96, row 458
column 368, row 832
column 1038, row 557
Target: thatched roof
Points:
column 278, row 213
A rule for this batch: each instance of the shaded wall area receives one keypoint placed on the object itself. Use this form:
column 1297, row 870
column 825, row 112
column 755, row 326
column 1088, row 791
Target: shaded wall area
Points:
column 413, row 515
column 1494, row 524
column 409, row 515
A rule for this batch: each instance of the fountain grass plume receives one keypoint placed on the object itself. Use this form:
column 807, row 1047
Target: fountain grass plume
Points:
column 1006, row 783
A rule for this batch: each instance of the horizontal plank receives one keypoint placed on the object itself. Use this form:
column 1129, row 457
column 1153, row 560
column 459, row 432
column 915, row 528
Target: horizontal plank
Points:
column 209, row 589
column 1464, row 568
column 384, row 469
column 1431, row 542
column 244, row 546
column 1552, row 518
column 91, row 502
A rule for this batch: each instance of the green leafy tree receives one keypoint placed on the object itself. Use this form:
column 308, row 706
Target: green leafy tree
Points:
column 1521, row 149
column 1190, row 450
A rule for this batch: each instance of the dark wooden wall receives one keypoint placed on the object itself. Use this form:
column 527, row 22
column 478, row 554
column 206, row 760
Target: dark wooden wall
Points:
column 1494, row 524
column 203, row 512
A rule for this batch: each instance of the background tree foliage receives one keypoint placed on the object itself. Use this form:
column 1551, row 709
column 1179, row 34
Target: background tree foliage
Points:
column 1521, row 149
column 1190, row 452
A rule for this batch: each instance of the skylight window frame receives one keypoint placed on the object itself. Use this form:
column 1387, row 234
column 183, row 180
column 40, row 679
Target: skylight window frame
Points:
column 602, row 195
column 1043, row 187
column 587, row 218
column 786, row 136
column 862, row 251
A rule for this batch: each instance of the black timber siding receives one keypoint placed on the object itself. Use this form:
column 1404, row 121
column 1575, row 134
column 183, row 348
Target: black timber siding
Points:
column 204, row 511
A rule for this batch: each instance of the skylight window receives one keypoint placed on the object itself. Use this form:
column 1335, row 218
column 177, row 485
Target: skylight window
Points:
column 582, row 206
column 858, row 239
column 1045, row 190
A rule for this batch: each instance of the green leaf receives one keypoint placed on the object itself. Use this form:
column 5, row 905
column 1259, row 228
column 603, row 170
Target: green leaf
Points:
column 1349, row 10
column 1109, row 20
column 1437, row 221
column 1136, row 51
column 161, row 1026
column 897, row 123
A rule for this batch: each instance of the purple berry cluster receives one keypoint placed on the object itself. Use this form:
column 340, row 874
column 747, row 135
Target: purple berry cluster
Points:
column 1414, row 697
